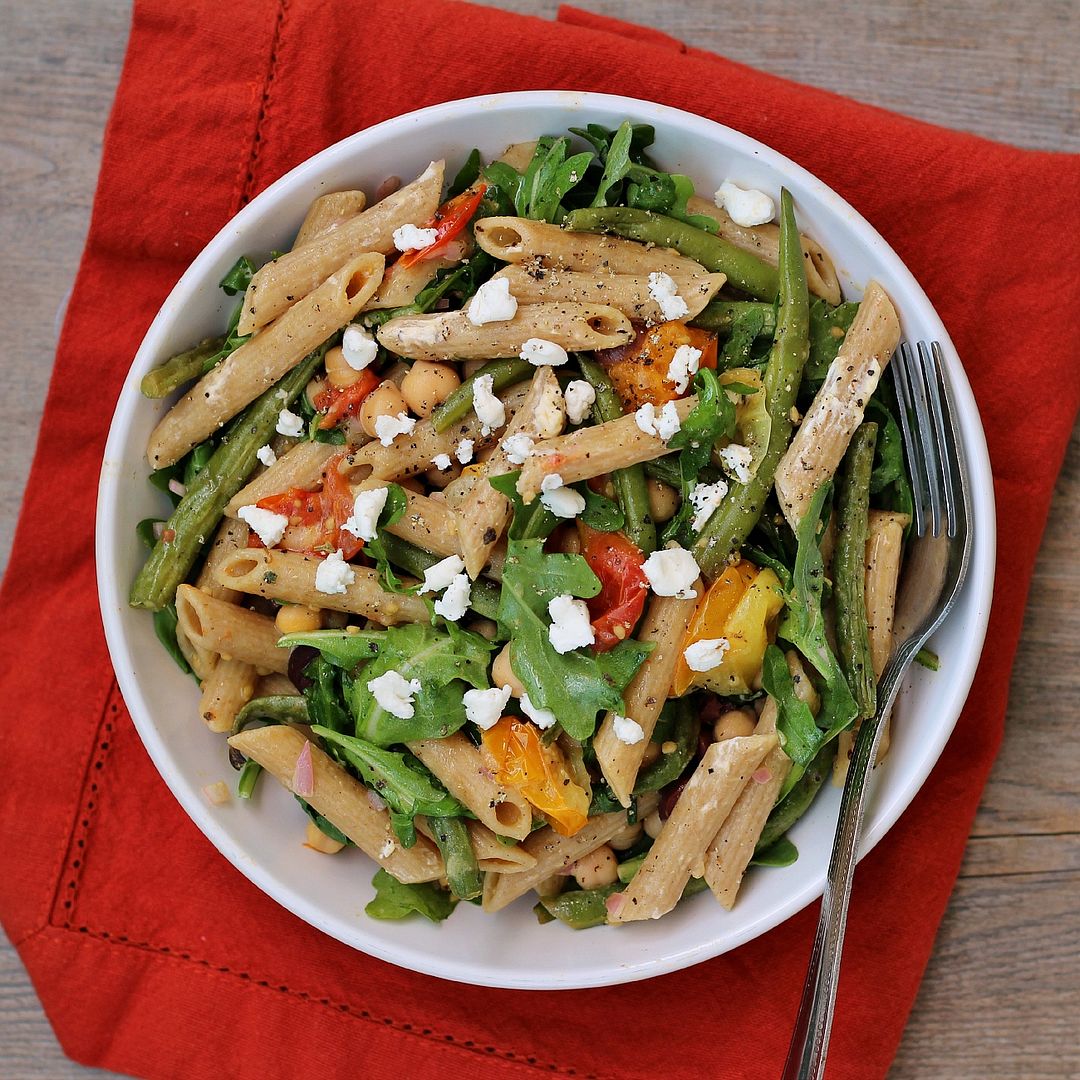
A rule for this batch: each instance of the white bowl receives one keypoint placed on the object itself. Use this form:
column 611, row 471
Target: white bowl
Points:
column 263, row 839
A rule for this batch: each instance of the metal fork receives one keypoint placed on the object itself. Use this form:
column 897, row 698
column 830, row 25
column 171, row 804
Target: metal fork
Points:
column 936, row 564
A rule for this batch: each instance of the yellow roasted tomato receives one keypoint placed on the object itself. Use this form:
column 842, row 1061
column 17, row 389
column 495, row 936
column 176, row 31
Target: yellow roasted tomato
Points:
column 638, row 371
column 740, row 607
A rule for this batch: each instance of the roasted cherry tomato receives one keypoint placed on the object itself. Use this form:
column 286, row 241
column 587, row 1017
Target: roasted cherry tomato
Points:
column 448, row 221
column 638, row 371
column 617, row 562
column 338, row 404
column 539, row 772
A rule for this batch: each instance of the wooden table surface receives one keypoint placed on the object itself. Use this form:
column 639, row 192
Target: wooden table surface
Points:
column 1001, row 996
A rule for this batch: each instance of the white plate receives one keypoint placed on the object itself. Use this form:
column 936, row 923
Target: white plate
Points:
column 263, row 839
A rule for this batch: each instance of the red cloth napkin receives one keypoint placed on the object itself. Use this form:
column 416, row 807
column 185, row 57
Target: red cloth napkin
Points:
column 151, row 954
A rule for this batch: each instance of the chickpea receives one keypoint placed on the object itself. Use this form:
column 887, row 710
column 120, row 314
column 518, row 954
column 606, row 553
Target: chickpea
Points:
column 486, row 628
column 597, row 869
column 317, row 840
column 804, row 688
column 428, row 385
column 651, row 753
column 653, row 824
column 733, row 724
column 663, row 501
column 384, row 400
column 626, row 837
column 550, row 886
column 314, row 388
column 503, row 675
column 298, row 619
column 338, row 373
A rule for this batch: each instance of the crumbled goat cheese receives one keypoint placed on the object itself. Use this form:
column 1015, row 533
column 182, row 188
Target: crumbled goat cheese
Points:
column 579, row 399
column 562, row 501
column 388, row 848
column 413, row 238
column 367, row 506
column 518, row 447
column 492, row 302
column 626, row 730
column 334, row 574
column 683, row 367
column 464, row 451
column 705, row 498
column 484, row 708
column 490, row 411
column 388, row 428
column 358, row 347
column 266, row 455
column 665, row 292
column 570, row 625
column 550, row 412
column 441, row 462
column 394, row 693
column 745, row 206
column 737, row 460
column 455, row 601
column 439, row 576
column 288, row 423
column 672, row 572
column 663, row 423
column 267, row 526
column 542, row 718
column 706, row 654
column 539, row 352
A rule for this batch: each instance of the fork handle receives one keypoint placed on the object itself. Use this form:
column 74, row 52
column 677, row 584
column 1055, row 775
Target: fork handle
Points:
column 810, row 1038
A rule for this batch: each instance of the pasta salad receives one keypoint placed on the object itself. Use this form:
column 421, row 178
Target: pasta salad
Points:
column 541, row 535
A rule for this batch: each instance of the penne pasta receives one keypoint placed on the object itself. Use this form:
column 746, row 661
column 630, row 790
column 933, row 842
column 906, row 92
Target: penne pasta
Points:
column 463, row 772
column 343, row 801
column 229, row 630
column 822, row 439
column 328, row 212
column 764, row 242
column 227, row 689
column 664, row 624
column 705, row 802
column 591, row 451
column 402, row 284
column 288, row 576
column 300, row 467
column 427, row 523
column 243, row 375
column 231, row 536
column 518, row 155
column 292, row 277
column 629, row 293
column 450, row 335
column 275, row 685
column 485, row 513
column 491, row 854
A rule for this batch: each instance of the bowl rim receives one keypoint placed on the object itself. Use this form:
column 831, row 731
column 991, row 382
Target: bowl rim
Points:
column 885, row 813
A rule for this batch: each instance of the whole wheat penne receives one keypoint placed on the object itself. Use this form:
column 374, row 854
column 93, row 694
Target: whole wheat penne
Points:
column 286, row 575
column 485, row 513
column 491, row 854
column 200, row 660
column 275, row 685
column 590, row 451
column 450, row 335
column 230, row 630
column 427, row 523
column 227, row 689
column 343, row 801
column 732, row 848
column 300, row 467
column 532, row 283
column 664, row 624
column 259, row 363
column 290, row 278
column 413, row 453
column 518, row 240
column 463, row 772
column 402, row 284
column 328, row 212
column 764, row 242
column 518, row 155
column 837, row 410
column 706, row 800
column 231, row 536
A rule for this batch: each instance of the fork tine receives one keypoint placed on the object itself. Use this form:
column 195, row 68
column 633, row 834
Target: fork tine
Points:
column 912, row 446
column 924, row 414
column 935, row 378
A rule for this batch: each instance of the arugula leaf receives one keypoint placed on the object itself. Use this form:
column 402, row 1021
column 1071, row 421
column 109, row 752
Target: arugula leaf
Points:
column 458, row 282
column 531, row 522
column 467, row 175
column 445, row 661
column 828, row 325
column 549, row 176
column 392, row 512
column 575, row 685
column 799, row 735
column 239, row 277
column 343, row 648
column 616, row 158
column 197, row 459
column 396, row 900
column 745, row 330
column 145, row 531
column 165, row 623
column 400, row 779
column 600, row 512
column 325, row 694
column 780, row 853
column 327, row 828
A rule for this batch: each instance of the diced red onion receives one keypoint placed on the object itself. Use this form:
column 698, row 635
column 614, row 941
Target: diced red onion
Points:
column 304, row 774
column 177, row 488
column 387, row 187
column 762, row 776
column 158, row 528
column 376, row 800
column 614, row 903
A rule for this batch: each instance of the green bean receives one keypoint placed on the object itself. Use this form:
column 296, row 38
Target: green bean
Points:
column 679, row 725
column 849, row 568
column 452, row 839
column 484, row 597
column 504, row 373
column 196, row 517
column 581, row 909
column 745, row 272
column 797, row 801
column 631, row 487
column 170, row 376
column 738, row 513
column 249, row 775
column 720, row 315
